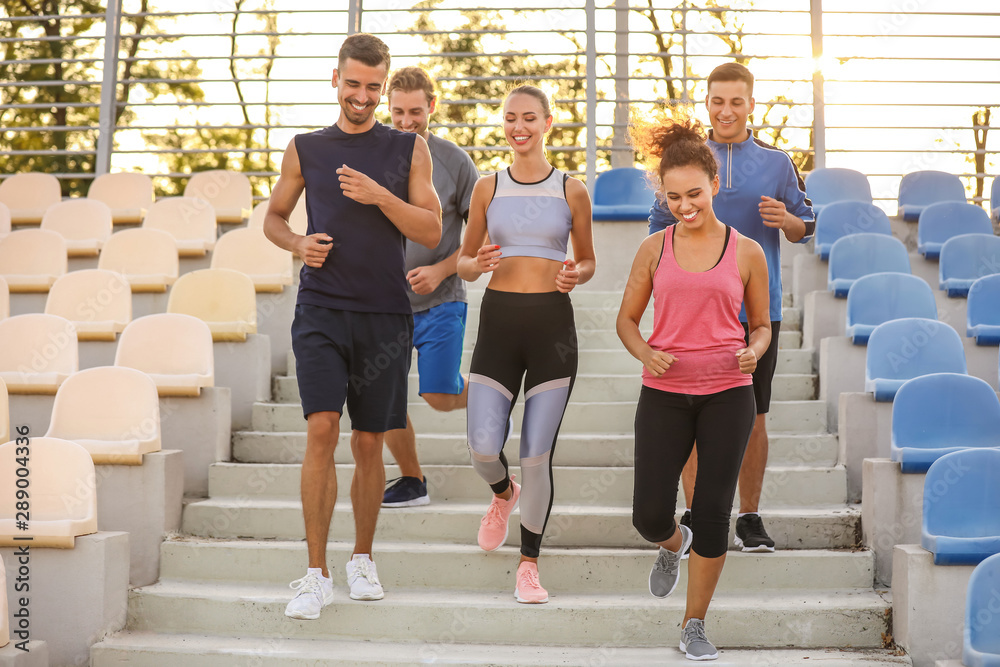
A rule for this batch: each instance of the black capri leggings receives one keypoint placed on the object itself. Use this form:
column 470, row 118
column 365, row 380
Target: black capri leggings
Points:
column 667, row 425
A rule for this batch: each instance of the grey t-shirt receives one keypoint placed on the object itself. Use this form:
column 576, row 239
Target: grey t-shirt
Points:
column 454, row 176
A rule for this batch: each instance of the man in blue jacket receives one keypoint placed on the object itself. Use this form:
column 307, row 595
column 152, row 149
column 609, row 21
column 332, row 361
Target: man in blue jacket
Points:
column 761, row 194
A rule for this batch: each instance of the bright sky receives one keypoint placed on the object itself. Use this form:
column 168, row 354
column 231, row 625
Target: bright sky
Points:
column 874, row 99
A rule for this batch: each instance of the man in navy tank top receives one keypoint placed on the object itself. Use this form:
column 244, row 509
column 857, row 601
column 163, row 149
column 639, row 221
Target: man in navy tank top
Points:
column 761, row 196
column 368, row 188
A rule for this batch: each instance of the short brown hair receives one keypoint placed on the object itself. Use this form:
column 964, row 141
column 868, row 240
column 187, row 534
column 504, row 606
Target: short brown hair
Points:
column 732, row 72
column 364, row 48
column 408, row 79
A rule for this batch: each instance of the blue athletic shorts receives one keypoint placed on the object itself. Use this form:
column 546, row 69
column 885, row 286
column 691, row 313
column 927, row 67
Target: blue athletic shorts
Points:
column 439, row 335
column 360, row 358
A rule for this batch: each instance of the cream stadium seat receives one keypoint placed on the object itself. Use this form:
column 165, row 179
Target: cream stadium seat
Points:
column 32, row 259
column 84, row 223
column 63, row 493
column 4, row 220
column 248, row 251
column 228, row 192
column 4, row 620
column 129, row 195
column 222, row 298
column 38, row 353
column 28, row 195
column 146, row 257
column 298, row 221
column 4, row 413
column 98, row 302
column 4, row 299
column 190, row 220
column 173, row 349
column 112, row 411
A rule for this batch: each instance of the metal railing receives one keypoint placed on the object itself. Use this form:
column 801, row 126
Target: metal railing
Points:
column 882, row 86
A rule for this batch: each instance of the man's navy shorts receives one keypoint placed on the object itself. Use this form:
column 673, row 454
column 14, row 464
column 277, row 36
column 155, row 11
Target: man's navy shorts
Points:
column 764, row 375
column 360, row 358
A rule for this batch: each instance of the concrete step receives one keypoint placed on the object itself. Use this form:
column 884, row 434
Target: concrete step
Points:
column 837, row 526
column 575, row 449
column 467, row 567
column 593, row 387
column 584, row 486
column 581, row 417
column 805, row 619
column 149, row 649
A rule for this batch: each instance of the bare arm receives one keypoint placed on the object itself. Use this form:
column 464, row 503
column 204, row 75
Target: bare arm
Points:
column 774, row 213
column 753, row 270
column 634, row 301
column 474, row 257
column 425, row 279
column 419, row 220
column 581, row 268
column 284, row 196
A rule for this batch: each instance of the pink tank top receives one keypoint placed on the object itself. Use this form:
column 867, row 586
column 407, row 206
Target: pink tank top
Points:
column 696, row 319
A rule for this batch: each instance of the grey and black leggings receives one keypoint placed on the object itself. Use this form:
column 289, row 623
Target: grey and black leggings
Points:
column 666, row 428
column 531, row 336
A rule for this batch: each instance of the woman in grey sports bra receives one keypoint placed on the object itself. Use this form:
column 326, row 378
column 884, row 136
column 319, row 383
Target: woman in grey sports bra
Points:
column 520, row 221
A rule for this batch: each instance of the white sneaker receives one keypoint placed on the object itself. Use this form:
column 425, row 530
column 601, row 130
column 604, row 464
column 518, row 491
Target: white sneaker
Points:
column 363, row 579
column 314, row 592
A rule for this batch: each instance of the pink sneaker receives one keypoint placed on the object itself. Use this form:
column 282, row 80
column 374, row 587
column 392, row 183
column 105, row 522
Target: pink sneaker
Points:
column 529, row 590
column 493, row 529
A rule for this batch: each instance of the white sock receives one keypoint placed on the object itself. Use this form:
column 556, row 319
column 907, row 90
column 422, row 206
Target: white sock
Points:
column 318, row 571
column 743, row 514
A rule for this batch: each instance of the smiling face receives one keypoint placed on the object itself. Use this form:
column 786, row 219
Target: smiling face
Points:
column 689, row 191
column 411, row 110
column 525, row 122
column 359, row 91
column 729, row 105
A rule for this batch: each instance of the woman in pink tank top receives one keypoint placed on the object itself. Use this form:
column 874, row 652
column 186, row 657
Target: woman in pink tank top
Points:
column 696, row 379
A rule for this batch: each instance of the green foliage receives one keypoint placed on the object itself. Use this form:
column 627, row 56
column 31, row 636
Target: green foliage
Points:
column 470, row 92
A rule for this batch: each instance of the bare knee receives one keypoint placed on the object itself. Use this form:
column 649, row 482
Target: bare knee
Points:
column 323, row 428
column 366, row 447
column 442, row 402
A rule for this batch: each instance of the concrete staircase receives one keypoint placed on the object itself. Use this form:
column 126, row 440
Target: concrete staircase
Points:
column 223, row 585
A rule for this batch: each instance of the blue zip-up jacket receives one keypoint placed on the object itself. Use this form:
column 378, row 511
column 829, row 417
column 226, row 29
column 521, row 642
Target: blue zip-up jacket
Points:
column 748, row 170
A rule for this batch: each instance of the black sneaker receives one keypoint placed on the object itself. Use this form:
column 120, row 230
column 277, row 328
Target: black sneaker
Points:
column 750, row 534
column 686, row 521
column 406, row 492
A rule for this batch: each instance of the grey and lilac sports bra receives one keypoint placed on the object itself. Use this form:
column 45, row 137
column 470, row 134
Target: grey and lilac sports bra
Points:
column 530, row 219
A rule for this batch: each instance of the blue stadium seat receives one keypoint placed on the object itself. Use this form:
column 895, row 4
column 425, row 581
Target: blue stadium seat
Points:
column 981, row 640
column 937, row 414
column 961, row 523
column 861, row 254
column 880, row 297
column 622, row 194
column 827, row 185
column 920, row 188
column 995, row 200
column 843, row 218
column 983, row 312
column 899, row 350
column 966, row 258
column 944, row 220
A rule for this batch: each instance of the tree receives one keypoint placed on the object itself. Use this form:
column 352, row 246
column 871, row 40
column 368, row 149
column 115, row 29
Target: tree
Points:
column 980, row 129
column 56, row 41
column 469, row 90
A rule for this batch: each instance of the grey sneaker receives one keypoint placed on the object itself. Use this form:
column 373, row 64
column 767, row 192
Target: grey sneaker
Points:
column 694, row 643
column 665, row 573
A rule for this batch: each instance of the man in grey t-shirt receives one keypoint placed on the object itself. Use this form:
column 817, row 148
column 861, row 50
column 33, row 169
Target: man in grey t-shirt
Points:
column 437, row 294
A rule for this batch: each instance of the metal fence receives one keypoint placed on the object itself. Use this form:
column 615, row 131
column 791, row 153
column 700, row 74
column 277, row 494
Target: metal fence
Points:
column 882, row 86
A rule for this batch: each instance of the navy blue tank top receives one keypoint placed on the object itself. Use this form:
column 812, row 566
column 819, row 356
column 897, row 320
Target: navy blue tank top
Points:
column 365, row 270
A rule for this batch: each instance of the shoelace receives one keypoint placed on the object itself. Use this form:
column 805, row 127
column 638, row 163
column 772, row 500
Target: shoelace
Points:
column 368, row 572
column 307, row 584
column 493, row 512
column 695, row 632
column 531, row 577
column 666, row 562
